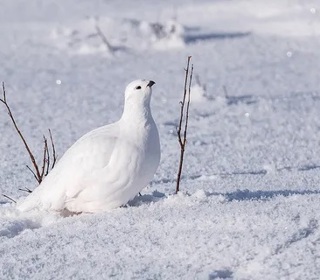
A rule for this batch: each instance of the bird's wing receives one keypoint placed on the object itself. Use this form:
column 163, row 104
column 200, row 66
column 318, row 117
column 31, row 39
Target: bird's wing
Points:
column 106, row 188
column 91, row 152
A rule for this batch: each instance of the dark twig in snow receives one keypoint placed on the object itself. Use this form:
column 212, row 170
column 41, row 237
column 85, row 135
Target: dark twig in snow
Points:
column 8, row 197
column 103, row 37
column 53, row 150
column 35, row 176
column 4, row 101
column 44, row 159
column 184, row 118
column 47, row 160
column 38, row 173
column 26, row 190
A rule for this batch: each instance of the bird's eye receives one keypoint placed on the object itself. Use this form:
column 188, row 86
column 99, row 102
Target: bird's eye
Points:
column 138, row 87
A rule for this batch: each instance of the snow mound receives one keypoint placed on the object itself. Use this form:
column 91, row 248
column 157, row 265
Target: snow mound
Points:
column 13, row 222
column 107, row 36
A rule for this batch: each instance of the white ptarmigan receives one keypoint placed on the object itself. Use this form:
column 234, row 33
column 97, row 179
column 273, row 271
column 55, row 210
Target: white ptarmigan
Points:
column 106, row 167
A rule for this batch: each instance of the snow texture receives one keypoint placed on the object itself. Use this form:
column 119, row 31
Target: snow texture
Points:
column 249, row 206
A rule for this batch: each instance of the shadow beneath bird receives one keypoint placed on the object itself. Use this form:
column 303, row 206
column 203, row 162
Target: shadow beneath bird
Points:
column 146, row 199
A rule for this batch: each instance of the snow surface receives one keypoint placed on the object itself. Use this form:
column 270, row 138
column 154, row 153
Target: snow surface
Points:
column 249, row 206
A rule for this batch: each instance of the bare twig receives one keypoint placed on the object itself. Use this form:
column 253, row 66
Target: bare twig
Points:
column 44, row 159
column 103, row 37
column 8, row 197
column 47, row 160
column 183, row 101
column 35, row 176
column 187, row 110
column 38, row 173
column 4, row 101
column 26, row 190
column 53, row 150
column 184, row 116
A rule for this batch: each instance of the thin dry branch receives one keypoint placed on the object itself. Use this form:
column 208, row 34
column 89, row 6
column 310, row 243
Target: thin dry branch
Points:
column 103, row 37
column 44, row 159
column 4, row 101
column 182, row 103
column 53, row 150
column 8, row 197
column 38, row 173
column 187, row 110
column 26, row 190
column 35, row 176
column 184, row 118
column 47, row 160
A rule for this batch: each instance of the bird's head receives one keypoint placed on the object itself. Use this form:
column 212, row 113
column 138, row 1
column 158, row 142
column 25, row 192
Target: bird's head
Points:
column 139, row 91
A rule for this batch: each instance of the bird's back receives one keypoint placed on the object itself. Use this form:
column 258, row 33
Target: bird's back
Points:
column 89, row 153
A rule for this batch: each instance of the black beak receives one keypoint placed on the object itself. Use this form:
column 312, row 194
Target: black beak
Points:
column 150, row 84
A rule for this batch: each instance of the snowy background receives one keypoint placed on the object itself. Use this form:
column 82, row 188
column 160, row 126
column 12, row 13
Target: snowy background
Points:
column 250, row 201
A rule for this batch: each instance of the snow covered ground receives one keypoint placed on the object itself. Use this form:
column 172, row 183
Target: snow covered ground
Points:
column 250, row 201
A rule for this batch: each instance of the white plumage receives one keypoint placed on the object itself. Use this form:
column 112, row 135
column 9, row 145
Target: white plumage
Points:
column 106, row 167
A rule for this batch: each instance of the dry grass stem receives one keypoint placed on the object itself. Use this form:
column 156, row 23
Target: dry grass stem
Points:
column 184, row 118
column 38, row 172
